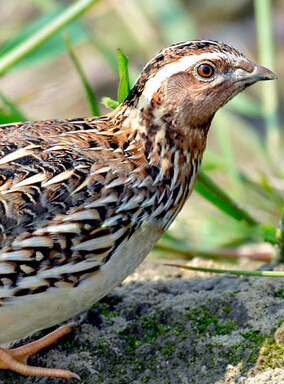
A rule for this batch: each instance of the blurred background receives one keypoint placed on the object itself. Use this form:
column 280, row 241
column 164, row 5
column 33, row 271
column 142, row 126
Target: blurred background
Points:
column 244, row 156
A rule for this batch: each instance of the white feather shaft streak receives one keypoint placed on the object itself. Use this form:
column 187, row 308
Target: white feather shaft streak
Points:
column 59, row 228
column 149, row 202
column 175, row 177
column 30, row 180
column 181, row 190
column 102, row 201
column 99, row 242
column 101, row 170
column 72, row 268
column 132, row 203
column 89, row 214
column 56, row 148
column 22, row 152
column 83, row 185
column 59, row 178
column 6, row 268
column 35, row 241
column 158, row 210
column 21, row 255
column 116, row 182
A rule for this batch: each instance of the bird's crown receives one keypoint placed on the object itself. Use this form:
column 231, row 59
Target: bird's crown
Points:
column 177, row 58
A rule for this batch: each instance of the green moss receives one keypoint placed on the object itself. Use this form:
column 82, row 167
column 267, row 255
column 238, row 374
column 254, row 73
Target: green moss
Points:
column 155, row 328
column 106, row 310
column 250, row 347
column 137, row 366
column 201, row 322
column 73, row 344
column 271, row 355
column 204, row 321
column 226, row 309
column 168, row 350
column 101, row 347
column 279, row 293
column 254, row 336
column 150, row 338
column 105, row 306
column 80, row 350
column 143, row 330
column 145, row 379
column 133, row 343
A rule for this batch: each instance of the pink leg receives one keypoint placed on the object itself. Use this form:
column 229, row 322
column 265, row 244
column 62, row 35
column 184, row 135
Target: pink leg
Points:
column 16, row 359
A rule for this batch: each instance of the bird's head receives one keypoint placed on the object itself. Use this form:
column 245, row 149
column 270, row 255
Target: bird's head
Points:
column 192, row 80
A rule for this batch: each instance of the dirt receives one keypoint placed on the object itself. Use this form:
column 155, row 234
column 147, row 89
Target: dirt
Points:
column 201, row 329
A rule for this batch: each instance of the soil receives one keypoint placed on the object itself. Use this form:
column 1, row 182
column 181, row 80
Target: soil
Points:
column 201, row 329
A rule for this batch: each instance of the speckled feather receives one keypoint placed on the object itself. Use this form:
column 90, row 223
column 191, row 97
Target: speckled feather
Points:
column 72, row 191
column 82, row 201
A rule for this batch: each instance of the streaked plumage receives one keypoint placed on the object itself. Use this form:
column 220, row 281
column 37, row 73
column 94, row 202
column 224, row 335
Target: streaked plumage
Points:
column 83, row 201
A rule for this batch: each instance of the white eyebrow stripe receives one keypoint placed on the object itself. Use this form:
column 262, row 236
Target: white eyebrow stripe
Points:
column 154, row 83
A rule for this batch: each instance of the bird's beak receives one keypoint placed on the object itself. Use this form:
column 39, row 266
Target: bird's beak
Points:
column 262, row 73
column 250, row 72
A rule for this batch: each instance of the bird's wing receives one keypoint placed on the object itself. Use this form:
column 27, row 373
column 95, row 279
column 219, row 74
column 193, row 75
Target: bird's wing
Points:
column 46, row 169
column 65, row 205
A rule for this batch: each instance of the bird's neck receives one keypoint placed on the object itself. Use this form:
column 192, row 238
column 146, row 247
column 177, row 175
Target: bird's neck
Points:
column 163, row 152
column 162, row 133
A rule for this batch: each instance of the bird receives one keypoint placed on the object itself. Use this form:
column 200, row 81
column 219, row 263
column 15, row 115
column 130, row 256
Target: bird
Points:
column 83, row 201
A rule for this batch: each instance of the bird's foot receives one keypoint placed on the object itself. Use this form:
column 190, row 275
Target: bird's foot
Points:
column 16, row 359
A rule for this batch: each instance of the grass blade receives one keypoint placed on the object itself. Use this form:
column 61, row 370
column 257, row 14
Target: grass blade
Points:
column 208, row 195
column 124, row 86
column 27, row 46
column 281, row 237
column 14, row 111
column 50, row 48
column 88, row 90
column 225, row 255
column 231, row 272
column 263, row 11
column 109, row 103
column 210, row 190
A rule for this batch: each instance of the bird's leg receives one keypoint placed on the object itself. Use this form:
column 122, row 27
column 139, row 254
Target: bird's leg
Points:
column 16, row 359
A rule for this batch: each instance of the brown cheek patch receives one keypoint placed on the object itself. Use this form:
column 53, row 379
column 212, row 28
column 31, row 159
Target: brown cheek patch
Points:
column 179, row 84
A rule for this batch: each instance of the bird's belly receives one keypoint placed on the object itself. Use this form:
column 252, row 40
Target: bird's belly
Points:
column 26, row 315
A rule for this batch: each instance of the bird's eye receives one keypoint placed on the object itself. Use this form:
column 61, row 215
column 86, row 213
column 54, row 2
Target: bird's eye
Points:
column 206, row 70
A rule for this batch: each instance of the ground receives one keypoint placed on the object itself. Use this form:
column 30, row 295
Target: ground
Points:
column 216, row 329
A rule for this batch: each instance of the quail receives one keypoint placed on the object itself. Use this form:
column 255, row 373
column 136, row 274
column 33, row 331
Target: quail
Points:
column 83, row 201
